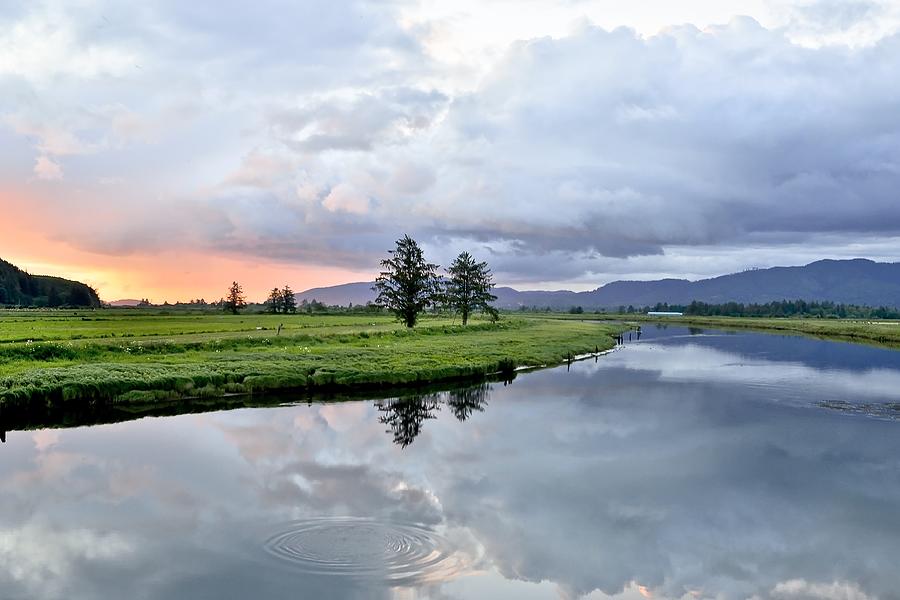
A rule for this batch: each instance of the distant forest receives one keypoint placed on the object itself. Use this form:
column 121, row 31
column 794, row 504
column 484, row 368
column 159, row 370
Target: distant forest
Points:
column 783, row 308
column 18, row 288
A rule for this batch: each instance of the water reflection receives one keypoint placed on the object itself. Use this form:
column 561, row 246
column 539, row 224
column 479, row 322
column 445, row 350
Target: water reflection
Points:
column 462, row 400
column 404, row 416
column 465, row 402
column 679, row 467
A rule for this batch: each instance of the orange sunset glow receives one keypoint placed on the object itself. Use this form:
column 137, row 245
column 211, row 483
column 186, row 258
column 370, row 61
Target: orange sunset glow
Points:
column 166, row 275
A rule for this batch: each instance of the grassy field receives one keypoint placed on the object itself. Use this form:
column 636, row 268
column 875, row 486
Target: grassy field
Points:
column 93, row 326
column 129, row 357
column 881, row 333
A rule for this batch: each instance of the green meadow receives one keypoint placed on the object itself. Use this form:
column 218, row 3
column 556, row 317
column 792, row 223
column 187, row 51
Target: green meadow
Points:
column 133, row 357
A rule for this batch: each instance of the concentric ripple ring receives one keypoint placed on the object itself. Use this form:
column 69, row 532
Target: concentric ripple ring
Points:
column 365, row 549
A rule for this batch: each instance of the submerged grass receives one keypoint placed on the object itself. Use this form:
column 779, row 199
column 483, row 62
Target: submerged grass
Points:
column 351, row 353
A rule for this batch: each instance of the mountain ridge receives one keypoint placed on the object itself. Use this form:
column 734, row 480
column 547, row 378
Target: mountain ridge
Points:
column 852, row 281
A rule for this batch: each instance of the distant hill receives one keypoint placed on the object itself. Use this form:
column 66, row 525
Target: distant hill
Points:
column 125, row 303
column 857, row 281
column 340, row 295
column 18, row 288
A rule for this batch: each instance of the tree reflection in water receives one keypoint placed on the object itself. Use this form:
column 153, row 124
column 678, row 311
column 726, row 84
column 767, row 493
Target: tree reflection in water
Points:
column 467, row 401
column 405, row 416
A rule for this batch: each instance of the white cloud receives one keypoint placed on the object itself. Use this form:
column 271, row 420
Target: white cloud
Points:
column 46, row 168
column 346, row 198
column 45, row 44
column 800, row 589
column 43, row 560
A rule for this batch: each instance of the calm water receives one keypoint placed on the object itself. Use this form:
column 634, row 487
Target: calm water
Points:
column 687, row 465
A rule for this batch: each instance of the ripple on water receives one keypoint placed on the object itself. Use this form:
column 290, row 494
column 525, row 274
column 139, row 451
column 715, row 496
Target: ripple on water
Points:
column 365, row 549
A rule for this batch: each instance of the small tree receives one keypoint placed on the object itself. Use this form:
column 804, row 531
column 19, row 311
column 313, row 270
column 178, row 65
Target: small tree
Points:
column 288, row 301
column 469, row 287
column 408, row 283
column 235, row 300
column 274, row 300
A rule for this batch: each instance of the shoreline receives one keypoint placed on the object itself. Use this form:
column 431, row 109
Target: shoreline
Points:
column 868, row 332
column 436, row 353
column 32, row 417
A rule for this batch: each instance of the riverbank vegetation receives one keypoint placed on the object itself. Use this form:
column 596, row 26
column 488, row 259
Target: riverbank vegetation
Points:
column 878, row 332
column 125, row 357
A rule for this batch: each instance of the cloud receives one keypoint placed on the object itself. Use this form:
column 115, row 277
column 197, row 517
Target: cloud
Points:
column 346, row 198
column 319, row 132
column 800, row 589
column 853, row 22
column 43, row 560
column 357, row 123
column 699, row 138
column 47, row 168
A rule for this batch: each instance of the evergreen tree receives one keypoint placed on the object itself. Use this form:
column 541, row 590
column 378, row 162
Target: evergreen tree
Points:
column 274, row 300
column 469, row 287
column 288, row 301
column 235, row 300
column 408, row 284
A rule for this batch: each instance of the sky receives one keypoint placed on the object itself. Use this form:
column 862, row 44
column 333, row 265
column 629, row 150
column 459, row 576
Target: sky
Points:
column 165, row 148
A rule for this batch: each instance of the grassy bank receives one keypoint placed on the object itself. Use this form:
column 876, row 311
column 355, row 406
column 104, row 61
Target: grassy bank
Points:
column 881, row 333
column 124, row 358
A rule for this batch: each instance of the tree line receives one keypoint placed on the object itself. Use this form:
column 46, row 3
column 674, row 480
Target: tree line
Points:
column 282, row 300
column 20, row 288
column 783, row 308
column 407, row 286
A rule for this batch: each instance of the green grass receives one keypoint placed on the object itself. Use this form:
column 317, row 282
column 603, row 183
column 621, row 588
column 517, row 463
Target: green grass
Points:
column 120, row 357
column 71, row 325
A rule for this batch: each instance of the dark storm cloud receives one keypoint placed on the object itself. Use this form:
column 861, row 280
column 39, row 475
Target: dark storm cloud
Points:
column 572, row 157
column 604, row 145
column 688, row 138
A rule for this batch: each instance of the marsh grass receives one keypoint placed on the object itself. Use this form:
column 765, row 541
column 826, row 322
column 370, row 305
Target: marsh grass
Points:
column 352, row 353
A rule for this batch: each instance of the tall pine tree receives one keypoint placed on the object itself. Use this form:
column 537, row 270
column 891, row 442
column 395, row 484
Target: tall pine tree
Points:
column 408, row 284
column 468, row 288
column 235, row 300
column 274, row 300
column 288, row 301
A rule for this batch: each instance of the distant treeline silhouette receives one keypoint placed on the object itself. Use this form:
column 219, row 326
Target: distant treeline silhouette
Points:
column 20, row 288
column 782, row 308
